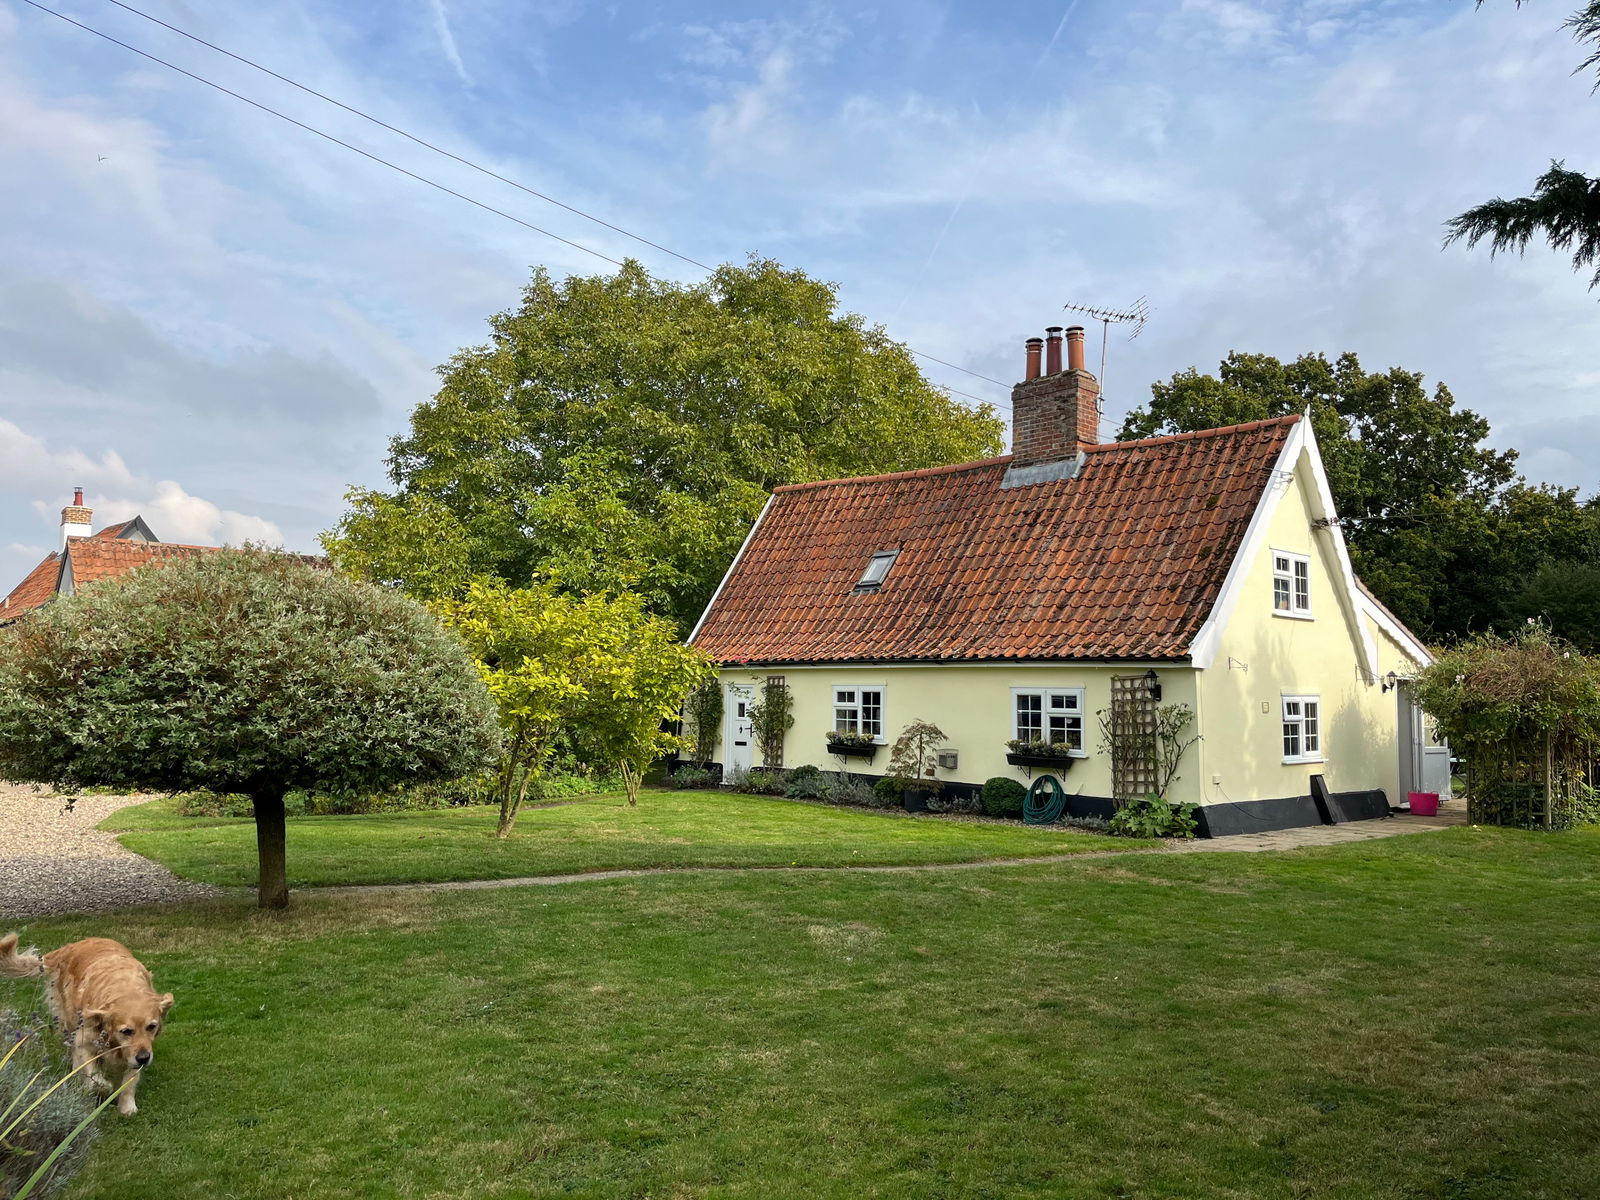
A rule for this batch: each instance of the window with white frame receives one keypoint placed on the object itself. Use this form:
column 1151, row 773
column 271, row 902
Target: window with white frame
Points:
column 858, row 708
column 1302, row 729
column 1053, row 715
column 1291, row 584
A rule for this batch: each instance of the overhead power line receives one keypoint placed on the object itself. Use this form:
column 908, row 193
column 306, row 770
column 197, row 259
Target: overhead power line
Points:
column 411, row 137
column 433, row 183
column 437, row 150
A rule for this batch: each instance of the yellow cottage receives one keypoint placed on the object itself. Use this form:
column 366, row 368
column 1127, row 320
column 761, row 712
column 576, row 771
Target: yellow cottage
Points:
column 1075, row 586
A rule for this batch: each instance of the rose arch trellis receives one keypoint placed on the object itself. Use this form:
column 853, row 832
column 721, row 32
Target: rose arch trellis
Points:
column 1523, row 712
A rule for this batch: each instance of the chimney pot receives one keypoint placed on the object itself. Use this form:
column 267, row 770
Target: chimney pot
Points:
column 76, row 520
column 1054, row 416
column 1052, row 350
column 1034, row 346
column 1075, row 347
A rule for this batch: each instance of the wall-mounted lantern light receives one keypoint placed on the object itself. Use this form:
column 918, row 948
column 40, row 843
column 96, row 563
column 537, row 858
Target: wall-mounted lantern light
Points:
column 1152, row 685
column 1389, row 682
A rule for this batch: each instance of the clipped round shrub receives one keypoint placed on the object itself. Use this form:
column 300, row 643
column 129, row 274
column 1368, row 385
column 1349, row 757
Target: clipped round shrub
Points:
column 1003, row 797
column 241, row 672
column 889, row 792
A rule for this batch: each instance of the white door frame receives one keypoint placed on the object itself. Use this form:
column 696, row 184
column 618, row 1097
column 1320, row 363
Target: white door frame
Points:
column 738, row 732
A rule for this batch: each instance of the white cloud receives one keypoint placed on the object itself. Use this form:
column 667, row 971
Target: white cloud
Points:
column 1239, row 25
column 447, row 40
column 116, row 493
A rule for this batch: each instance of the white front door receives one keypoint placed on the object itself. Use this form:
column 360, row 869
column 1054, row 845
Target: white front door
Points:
column 738, row 732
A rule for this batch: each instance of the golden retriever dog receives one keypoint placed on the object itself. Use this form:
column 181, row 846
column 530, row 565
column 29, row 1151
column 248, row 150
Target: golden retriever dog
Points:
column 100, row 994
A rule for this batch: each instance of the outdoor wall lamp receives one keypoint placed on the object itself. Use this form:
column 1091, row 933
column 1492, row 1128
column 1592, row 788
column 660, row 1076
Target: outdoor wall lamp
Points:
column 1152, row 685
column 1389, row 682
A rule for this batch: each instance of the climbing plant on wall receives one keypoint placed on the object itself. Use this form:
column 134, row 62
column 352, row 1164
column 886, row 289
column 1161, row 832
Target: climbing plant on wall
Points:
column 703, row 714
column 771, row 717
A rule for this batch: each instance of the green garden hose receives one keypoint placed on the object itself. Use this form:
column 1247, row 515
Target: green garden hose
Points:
column 1045, row 801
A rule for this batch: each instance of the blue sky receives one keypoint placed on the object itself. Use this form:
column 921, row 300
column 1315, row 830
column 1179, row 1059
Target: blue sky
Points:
column 221, row 323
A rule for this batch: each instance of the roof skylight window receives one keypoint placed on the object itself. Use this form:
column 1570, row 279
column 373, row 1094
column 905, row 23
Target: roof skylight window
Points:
column 877, row 569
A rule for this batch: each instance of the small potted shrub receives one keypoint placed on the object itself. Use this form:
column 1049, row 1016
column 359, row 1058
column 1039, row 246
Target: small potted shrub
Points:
column 1024, row 752
column 914, row 762
column 852, row 745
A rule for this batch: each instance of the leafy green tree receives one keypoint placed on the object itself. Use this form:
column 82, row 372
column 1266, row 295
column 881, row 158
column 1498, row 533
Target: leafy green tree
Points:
column 1565, row 206
column 1438, row 524
column 597, row 671
column 1566, row 597
column 247, row 672
column 621, row 433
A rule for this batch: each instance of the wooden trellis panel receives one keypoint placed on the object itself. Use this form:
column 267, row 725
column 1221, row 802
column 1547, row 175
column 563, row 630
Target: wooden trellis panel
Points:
column 1133, row 738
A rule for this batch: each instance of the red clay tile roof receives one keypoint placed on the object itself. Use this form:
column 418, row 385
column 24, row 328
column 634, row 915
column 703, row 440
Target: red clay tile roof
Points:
column 36, row 588
column 111, row 531
column 92, row 559
column 1122, row 562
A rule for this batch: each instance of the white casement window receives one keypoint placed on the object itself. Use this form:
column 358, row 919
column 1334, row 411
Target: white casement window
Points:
column 1302, row 729
column 1291, row 584
column 1053, row 715
column 858, row 708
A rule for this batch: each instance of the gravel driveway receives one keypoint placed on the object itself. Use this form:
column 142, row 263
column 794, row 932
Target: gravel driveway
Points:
column 52, row 861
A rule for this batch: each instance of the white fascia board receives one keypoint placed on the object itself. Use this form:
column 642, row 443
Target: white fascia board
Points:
column 1407, row 639
column 732, row 567
column 1301, row 443
column 1350, row 595
column 1008, row 664
column 1203, row 650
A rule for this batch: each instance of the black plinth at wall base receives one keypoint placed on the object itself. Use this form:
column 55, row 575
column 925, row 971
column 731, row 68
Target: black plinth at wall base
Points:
column 1102, row 807
column 1289, row 812
column 1358, row 806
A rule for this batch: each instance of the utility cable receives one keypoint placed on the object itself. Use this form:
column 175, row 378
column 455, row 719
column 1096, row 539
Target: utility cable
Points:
column 411, row 137
column 325, row 136
column 437, row 150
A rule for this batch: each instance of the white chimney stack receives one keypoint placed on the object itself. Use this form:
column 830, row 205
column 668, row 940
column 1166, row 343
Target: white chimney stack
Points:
column 75, row 519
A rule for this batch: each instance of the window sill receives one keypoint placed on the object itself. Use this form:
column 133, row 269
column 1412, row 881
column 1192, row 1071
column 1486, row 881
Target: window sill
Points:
column 1295, row 762
column 1293, row 616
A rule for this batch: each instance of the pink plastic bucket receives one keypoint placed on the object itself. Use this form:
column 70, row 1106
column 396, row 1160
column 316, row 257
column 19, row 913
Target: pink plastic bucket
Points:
column 1423, row 804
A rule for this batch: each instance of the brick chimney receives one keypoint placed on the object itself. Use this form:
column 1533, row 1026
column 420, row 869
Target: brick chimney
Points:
column 1056, row 414
column 75, row 518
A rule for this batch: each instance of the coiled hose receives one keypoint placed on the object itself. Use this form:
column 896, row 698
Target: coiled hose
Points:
column 1045, row 801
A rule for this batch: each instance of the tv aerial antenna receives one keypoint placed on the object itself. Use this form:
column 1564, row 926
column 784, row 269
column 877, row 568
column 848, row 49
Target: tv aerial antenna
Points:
column 1136, row 314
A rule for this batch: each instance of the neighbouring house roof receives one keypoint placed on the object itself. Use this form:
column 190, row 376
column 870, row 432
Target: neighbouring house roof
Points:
column 134, row 528
column 37, row 587
column 89, row 560
column 115, row 550
column 1122, row 561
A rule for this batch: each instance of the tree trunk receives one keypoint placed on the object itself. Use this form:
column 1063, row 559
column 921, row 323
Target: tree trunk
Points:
column 631, row 779
column 508, row 807
column 514, row 790
column 272, row 887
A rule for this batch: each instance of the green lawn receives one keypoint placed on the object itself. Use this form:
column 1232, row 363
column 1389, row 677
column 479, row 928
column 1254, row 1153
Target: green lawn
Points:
column 1414, row 1017
column 667, row 829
